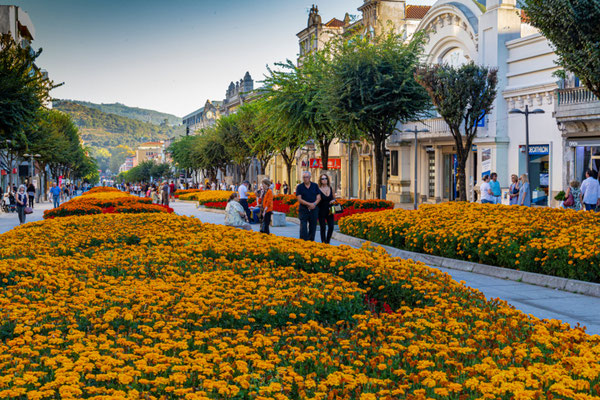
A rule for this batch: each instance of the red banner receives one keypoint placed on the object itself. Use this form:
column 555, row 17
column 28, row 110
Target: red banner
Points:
column 332, row 163
column 14, row 170
column 3, row 172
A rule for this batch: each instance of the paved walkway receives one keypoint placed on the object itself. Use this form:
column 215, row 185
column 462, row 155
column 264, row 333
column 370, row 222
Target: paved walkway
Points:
column 10, row 220
column 541, row 302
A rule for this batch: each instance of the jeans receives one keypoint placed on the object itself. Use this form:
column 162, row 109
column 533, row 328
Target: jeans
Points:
column 266, row 222
column 244, row 203
column 326, row 224
column 487, row 202
column 56, row 201
column 21, row 212
column 308, row 217
column 31, row 199
column 497, row 199
column 589, row 207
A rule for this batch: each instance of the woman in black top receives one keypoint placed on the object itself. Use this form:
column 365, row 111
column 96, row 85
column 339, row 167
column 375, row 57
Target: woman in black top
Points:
column 31, row 193
column 325, row 215
column 21, row 203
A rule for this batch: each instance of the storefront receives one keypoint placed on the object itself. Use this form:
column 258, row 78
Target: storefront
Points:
column 539, row 171
column 587, row 156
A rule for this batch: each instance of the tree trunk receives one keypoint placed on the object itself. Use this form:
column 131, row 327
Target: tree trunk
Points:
column 379, row 155
column 462, row 175
column 324, row 145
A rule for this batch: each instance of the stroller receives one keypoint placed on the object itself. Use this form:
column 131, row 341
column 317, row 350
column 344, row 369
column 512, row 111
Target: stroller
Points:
column 9, row 203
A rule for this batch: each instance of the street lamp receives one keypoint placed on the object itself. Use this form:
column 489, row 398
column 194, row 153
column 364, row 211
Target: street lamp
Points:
column 416, row 131
column 526, row 113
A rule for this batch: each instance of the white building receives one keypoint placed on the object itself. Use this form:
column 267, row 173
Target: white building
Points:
column 494, row 34
column 15, row 21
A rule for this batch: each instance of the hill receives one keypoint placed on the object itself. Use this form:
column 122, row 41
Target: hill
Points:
column 103, row 130
column 140, row 114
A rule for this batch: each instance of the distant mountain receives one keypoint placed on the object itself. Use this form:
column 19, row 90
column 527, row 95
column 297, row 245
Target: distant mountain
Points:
column 105, row 130
column 141, row 114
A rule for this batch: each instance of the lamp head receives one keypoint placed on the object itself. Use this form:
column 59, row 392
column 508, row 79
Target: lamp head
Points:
column 537, row 111
column 516, row 111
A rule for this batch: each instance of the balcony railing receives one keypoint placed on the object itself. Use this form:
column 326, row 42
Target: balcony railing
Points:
column 578, row 95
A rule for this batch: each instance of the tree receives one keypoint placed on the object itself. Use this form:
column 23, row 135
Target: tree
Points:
column 252, row 118
column 462, row 97
column 372, row 88
column 298, row 94
column 229, row 131
column 118, row 155
column 572, row 27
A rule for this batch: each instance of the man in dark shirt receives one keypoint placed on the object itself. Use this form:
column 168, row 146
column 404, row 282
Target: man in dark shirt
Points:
column 308, row 197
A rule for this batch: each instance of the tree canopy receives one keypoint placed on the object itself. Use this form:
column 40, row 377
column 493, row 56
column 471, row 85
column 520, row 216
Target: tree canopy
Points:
column 573, row 28
column 462, row 97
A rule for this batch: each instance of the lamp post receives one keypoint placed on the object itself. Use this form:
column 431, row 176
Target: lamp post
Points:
column 416, row 131
column 526, row 113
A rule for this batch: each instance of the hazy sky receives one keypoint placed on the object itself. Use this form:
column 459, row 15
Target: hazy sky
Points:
column 168, row 55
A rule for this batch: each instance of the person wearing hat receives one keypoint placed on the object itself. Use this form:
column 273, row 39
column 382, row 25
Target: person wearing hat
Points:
column 243, row 192
column 267, row 204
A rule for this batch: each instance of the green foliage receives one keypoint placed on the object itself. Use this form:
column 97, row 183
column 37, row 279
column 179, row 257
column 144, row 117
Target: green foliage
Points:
column 572, row 27
column 372, row 88
column 252, row 117
column 462, row 97
column 118, row 155
column 146, row 170
column 23, row 88
column 230, row 132
column 140, row 114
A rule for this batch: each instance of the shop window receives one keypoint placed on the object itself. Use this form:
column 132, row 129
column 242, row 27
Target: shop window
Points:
column 394, row 162
column 586, row 157
column 539, row 173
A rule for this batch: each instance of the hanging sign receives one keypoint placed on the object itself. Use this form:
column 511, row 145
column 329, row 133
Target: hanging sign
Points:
column 332, row 163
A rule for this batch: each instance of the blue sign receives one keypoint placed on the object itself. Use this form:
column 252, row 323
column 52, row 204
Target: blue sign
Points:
column 539, row 150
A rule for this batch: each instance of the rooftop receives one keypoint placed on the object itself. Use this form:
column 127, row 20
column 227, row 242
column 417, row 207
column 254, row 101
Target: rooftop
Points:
column 416, row 12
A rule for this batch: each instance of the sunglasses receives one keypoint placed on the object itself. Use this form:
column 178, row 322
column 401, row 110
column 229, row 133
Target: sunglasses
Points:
column 324, row 179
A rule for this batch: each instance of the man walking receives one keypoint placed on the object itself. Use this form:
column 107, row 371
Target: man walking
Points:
column 590, row 188
column 486, row 192
column 495, row 188
column 308, row 197
column 243, row 191
column 165, row 193
column 55, row 192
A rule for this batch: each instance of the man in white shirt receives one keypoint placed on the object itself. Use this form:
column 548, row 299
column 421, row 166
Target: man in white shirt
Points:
column 243, row 191
column 590, row 188
column 487, row 197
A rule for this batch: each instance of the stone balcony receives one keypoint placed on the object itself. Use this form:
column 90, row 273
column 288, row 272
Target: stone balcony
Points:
column 577, row 111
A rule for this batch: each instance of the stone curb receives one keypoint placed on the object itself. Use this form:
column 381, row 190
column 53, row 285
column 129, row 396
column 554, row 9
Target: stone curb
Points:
column 553, row 282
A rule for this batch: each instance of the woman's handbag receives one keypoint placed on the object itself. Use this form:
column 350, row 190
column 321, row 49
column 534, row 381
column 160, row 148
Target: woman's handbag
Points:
column 569, row 201
column 28, row 210
column 335, row 209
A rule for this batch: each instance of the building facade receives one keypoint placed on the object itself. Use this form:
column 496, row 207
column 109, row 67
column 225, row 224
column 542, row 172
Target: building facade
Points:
column 494, row 35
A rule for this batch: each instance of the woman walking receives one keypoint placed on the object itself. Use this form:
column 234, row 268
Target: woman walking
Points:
column 325, row 215
column 21, row 203
column 577, row 198
column 235, row 215
column 31, row 193
column 524, row 193
column 513, row 190
column 267, row 204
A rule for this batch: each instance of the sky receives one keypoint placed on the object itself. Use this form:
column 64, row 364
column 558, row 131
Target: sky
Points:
column 169, row 55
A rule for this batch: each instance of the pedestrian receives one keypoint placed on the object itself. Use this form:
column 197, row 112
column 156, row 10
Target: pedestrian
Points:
column 165, row 193
column 172, row 190
column 278, row 187
column 154, row 194
column 243, row 199
column 590, row 188
column 31, row 194
column 308, row 196
column 486, row 192
column 513, row 190
column 55, row 192
column 285, row 187
column 267, row 206
column 235, row 215
column 495, row 188
column 524, row 193
column 213, row 186
column 21, row 203
column 325, row 214
column 573, row 197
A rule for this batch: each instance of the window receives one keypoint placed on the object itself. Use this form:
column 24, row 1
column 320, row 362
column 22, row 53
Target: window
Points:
column 431, row 180
column 394, row 162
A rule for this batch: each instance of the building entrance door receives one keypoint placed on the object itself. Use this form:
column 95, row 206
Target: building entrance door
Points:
column 354, row 174
column 449, row 174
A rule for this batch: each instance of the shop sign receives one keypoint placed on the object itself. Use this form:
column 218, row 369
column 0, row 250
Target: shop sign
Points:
column 14, row 170
column 332, row 163
column 3, row 172
column 537, row 149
